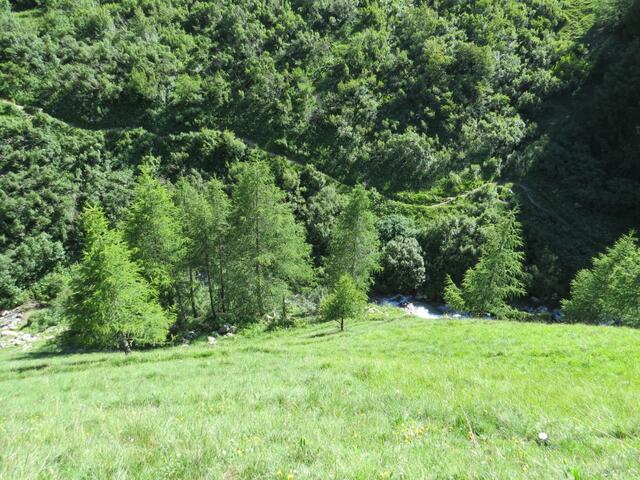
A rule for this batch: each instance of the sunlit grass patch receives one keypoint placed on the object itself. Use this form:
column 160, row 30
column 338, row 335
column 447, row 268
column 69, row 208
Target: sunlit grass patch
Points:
column 398, row 397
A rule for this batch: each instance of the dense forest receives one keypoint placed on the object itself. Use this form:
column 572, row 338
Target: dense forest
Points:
column 452, row 115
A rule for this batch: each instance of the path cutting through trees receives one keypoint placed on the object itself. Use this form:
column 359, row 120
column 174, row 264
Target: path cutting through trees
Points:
column 250, row 143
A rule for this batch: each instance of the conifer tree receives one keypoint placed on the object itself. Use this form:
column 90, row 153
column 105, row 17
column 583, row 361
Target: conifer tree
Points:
column 344, row 302
column 270, row 257
column 355, row 248
column 204, row 210
column 498, row 275
column 610, row 290
column 111, row 305
column 152, row 231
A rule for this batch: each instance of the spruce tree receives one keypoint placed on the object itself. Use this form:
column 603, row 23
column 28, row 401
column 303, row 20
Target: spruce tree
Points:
column 498, row 275
column 152, row 231
column 355, row 248
column 111, row 305
column 269, row 255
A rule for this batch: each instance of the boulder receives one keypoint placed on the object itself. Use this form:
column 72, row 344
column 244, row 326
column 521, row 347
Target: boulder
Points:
column 227, row 328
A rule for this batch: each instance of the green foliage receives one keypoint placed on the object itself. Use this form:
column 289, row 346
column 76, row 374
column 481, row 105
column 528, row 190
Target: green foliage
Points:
column 204, row 208
column 402, row 265
column 111, row 305
column 152, row 231
column 48, row 171
column 423, row 100
column 354, row 248
column 395, row 225
column 451, row 246
column 346, row 301
column 453, row 295
column 610, row 290
column 402, row 258
column 41, row 320
column 269, row 257
column 52, row 285
column 498, row 275
column 322, row 209
column 409, row 160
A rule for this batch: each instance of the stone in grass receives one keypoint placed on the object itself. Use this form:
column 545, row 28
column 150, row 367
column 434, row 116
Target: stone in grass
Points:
column 191, row 335
column 226, row 329
column 211, row 341
column 543, row 438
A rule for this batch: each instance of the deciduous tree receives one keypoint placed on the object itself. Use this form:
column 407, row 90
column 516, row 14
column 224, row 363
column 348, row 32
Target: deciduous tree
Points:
column 152, row 230
column 610, row 290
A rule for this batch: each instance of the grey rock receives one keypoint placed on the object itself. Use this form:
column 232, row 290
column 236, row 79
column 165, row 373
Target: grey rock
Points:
column 226, row 329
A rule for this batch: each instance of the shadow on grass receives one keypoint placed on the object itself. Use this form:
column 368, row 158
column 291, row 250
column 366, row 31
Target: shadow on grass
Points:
column 51, row 369
column 62, row 345
column 325, row 334
column 65, row 346
column 40, row 366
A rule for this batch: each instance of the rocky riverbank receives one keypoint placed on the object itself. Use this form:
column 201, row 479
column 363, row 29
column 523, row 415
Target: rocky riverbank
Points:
column 12, row 329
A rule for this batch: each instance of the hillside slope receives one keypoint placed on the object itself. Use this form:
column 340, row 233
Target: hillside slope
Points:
column 426, row 102
column 392, row 397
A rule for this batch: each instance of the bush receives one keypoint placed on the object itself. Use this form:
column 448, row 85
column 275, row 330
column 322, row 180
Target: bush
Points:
column 46, row 318
column 402, row 265
column 51, row 285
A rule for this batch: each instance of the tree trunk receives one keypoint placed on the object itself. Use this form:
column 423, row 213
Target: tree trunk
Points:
column 284, row 308
column 258, row 272
column 210, row 286
column 221, row 279
column 259, row 291
column 180, row 302
column 194, row 310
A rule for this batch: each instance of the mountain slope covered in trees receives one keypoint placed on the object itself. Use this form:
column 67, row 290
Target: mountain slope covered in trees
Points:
column 447, row 108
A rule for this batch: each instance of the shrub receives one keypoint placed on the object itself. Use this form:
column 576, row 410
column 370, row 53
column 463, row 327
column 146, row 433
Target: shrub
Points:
column 51, row 285
column 403, row 265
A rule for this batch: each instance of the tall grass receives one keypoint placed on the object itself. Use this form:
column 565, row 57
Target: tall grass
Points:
column 391, row 397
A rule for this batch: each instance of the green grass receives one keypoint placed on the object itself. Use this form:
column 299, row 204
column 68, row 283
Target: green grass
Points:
column 392, row 397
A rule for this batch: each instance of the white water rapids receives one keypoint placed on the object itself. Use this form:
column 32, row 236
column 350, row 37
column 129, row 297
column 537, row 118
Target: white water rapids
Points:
column 416, row 307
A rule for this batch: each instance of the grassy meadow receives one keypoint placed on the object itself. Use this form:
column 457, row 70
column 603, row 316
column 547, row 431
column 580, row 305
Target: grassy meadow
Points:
column 391, row 397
